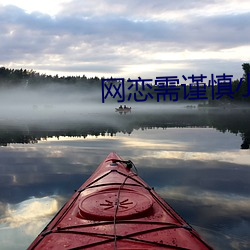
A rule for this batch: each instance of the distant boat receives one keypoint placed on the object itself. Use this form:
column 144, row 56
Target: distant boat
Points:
column 123, row 110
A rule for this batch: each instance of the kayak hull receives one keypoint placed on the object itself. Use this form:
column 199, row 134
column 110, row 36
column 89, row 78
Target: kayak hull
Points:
column 116, row 209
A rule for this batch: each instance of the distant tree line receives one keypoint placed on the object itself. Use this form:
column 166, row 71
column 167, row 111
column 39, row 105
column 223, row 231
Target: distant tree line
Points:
column 31, row 78
column 237, row 91
column 239, row 88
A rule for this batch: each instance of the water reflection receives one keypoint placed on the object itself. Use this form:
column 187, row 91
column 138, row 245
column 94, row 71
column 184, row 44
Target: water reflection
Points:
column 31, row 210
column 108, row 122
column 21, row 221
column 201, row 172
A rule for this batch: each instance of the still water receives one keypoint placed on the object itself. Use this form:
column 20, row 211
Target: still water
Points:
column 193, row 159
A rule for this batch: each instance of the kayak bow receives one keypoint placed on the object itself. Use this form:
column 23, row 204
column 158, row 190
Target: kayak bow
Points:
column 116, row 209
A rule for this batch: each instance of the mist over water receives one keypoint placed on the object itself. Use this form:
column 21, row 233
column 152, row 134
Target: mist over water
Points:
column 54, row 102
column 61, row 107
column 191, row 155
column 64, row 104
column 58, row 102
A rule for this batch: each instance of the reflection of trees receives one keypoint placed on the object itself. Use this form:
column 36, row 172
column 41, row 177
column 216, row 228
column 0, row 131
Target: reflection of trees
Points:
column 8, row 137
column 245, row 144
column 237, row 122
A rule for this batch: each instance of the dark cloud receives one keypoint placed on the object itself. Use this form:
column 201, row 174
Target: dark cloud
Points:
column 116, row 29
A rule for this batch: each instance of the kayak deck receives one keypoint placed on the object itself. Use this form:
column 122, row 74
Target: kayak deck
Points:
column 116, row 209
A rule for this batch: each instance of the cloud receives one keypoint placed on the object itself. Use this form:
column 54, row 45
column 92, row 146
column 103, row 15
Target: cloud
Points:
column 145, row 9
column 91, row 37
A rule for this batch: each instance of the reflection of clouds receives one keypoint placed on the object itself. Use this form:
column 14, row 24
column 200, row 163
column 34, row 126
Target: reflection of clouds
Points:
column 204, row 177
column 146, row 144
column 29, row 211
column 228, row 203
column 185, row 139
column 188, row 144
column 48, row 159
column 222, row 219
column 226, row 240
column 236, row 156
column 156, row 139
column 25, row 220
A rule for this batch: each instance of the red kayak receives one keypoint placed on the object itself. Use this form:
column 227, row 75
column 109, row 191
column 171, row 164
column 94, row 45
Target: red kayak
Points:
column 116, row 209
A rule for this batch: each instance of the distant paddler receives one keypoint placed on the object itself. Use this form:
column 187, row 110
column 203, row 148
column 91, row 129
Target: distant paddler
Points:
column 124, row 109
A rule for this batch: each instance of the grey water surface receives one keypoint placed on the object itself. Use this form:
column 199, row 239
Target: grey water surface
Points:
column 198, row 160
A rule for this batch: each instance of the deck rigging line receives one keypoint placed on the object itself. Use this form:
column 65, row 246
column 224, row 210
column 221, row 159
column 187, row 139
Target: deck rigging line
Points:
column 130, row 174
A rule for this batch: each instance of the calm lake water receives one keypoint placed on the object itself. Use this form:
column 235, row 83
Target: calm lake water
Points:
column 197, row 160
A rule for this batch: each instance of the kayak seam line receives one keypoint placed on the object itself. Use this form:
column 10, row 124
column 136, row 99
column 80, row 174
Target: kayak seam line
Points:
column 128, row 237
column 110, row 184
column 99, row 178
column 44, row 233
column 121, row 236
column 120, row 222
column 114, row 170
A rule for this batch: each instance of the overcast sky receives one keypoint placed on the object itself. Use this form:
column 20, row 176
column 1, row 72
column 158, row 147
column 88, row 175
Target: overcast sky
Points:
column 125, row 38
